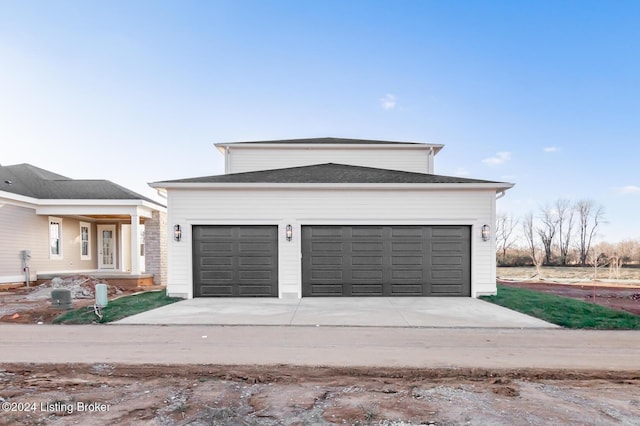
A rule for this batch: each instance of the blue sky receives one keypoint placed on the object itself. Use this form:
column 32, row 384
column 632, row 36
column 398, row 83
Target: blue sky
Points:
column 545, row 94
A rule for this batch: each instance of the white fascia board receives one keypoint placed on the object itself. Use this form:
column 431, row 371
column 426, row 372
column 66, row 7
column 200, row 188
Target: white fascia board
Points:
column 336, row 186
column 135, row 208
column 436, row 147
column 17, row 200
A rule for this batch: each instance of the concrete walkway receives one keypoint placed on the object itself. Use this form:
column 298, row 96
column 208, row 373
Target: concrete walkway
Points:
column 365, row 311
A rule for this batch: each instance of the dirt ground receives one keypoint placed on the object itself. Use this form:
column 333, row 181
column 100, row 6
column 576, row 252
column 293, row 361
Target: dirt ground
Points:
column 622, row 293
column 32, row 305
column 105, row 394
column 102, row 394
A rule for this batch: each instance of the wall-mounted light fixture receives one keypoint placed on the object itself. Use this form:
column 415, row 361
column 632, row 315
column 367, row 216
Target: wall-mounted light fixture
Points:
column 486, row 233
column 177, row 232
column 289, row 232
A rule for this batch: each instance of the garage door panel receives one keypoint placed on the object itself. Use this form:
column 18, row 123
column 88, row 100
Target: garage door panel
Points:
column 400, row 274
column 216, row 291
column 446, row 290
column 327, row 247
column 235, row 261
column 366, row 274
column 365, row 246
column 448, row 232
column 326, row 260
column 366, row 232
column 215, row 261
column 366, row 260
column 407, row 247
column 387, row 260
column 407, row 260
column 406, row 290
column 366, row 290
column 326, row 274
column 408, row 231
column 255, row 261
column 447, row 274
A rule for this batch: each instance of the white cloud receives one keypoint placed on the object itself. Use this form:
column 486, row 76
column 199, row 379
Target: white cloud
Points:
column 629, row 189
column 388, row 102
column 499, row 158
column 551, row 149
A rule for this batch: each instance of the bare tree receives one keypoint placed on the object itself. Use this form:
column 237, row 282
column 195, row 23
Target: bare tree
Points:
column 590, row 216
column 547, row 230
column 565, row 214
column 528, row 229
column 505, row 226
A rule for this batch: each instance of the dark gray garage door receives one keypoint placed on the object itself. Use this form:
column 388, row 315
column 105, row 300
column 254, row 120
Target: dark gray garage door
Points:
column 235, row 261
column 386, row 261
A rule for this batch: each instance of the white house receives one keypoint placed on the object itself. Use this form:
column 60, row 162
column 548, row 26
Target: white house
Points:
column 330, row 217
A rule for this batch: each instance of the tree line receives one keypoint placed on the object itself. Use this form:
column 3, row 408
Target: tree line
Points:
column 562, row 233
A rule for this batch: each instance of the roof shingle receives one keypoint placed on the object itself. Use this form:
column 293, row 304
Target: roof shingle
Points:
column 329, row 173
column 34, row 182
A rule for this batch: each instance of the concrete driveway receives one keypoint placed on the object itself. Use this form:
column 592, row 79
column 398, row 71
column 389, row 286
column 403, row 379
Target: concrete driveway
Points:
column 362, row 311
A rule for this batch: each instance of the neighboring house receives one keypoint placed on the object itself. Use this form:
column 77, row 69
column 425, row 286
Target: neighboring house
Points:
column 70, row 226
column 330, row 217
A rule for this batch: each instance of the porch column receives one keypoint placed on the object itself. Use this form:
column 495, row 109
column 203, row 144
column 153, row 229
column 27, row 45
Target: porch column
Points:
column 135, row 244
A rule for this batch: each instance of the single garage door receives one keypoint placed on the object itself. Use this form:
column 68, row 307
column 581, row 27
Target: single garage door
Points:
column 235, row 261
column 386, row 261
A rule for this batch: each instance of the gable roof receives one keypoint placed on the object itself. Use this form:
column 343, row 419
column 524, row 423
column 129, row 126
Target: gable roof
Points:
column 31, row 181
column 331, row 141
column 332, row 173
column 327, row 140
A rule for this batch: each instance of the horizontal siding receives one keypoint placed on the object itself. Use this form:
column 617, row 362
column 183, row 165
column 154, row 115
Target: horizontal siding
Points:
column 22, row 229
column 307, row 207
column 248, row 160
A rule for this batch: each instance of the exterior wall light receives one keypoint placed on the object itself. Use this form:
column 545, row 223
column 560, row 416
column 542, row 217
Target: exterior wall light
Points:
column 177, row 232
column 486, row 233
column 289, row 232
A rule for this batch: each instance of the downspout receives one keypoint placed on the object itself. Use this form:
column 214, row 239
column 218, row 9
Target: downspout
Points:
column 500, row 194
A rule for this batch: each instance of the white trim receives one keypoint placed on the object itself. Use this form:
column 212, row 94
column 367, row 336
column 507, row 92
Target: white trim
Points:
column 100, row 228
column 386, row 146
column 332, row 186
column 60, row 254
column 88, row 255
column 85, row 202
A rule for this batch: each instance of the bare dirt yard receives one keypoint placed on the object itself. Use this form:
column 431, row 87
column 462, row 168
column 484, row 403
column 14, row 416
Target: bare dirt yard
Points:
column 574, row 282
column 104, row 394
column 32, row 305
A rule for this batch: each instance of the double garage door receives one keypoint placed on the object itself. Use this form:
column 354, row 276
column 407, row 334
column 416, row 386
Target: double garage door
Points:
column 337, row 261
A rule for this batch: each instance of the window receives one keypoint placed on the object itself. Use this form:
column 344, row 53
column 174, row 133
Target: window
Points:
column 85, row 241
column 142, row 242
column 55, row 238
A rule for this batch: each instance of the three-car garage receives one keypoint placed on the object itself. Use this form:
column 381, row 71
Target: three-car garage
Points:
column 336, row 260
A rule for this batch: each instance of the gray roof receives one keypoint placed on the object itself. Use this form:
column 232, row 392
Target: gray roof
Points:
column 329, row 173
column 325, row 141
column 34, row 182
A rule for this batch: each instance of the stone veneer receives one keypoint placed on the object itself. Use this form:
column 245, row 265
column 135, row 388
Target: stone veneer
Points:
column 155, row 243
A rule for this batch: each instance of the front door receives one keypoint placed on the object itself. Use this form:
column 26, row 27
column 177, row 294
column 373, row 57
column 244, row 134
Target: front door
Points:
column 106, row 247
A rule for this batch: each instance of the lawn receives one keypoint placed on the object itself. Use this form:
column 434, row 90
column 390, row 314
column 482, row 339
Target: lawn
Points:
column 569, row 313
column 117, row 308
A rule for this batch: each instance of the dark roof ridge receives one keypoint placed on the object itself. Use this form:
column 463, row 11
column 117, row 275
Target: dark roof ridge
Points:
column 329, row 173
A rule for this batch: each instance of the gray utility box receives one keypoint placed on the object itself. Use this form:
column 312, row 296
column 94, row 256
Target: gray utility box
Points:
column 61, row 299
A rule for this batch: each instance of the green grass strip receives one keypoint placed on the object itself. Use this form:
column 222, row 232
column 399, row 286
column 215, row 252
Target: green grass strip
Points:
column 563, row 311
column 118, row 308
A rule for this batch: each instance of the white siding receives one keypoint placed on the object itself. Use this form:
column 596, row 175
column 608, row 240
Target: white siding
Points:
column 22, row 229
column 255, row 158
column 335, row 206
